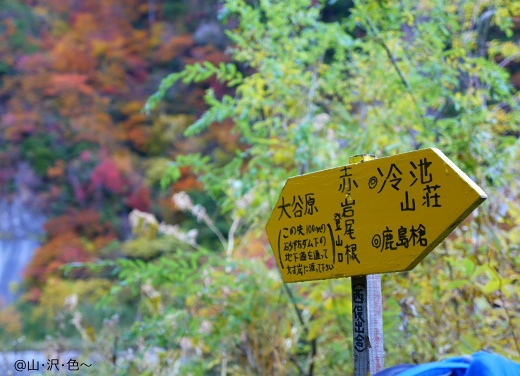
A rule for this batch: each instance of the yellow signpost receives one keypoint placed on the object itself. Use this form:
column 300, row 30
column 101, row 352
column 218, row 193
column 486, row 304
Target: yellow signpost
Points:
column 366, row 218
column 378, row 216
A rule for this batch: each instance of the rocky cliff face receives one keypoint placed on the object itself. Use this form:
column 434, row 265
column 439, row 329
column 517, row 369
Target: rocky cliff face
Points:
column 21, row 226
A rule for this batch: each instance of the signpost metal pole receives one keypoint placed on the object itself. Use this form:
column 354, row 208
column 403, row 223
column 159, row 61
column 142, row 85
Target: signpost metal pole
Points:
column 367, row 315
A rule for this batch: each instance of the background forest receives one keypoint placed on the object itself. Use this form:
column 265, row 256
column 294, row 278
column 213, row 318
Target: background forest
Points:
column 155, row 137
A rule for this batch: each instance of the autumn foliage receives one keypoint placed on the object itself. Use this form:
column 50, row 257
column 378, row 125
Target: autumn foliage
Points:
column 189, row 275
column 74, row 77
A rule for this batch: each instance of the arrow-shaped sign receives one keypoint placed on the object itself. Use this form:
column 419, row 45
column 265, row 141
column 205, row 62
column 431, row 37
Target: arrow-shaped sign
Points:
column 379, row 216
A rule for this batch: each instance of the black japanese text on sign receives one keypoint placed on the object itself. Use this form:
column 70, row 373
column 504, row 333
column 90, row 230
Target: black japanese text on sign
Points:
column 379, row 216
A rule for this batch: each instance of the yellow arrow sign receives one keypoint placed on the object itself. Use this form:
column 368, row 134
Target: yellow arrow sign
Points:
column 379, row 216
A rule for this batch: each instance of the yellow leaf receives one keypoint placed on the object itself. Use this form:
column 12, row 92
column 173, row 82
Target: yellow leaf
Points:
column 329, row 304
column 469, row 343
column 91, row 333
column 314, row 330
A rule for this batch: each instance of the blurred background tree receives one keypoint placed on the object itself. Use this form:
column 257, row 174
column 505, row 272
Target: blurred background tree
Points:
column 74, row 77
column 304, row 85
column 312, row 88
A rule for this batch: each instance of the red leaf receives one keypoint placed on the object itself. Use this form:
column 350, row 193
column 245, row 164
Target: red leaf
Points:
column 107, row 175
column 140, row 199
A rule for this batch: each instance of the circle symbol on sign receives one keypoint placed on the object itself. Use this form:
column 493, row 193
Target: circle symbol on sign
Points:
column 372, row 183
column 376, row 241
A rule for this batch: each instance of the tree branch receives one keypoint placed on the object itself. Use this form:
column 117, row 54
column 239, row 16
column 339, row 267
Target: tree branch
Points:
column 295, row 305
column 511, row 58
column 314, row 351
column 403, row 80
column 293, row 359
column 231, row 236
column 314, row 343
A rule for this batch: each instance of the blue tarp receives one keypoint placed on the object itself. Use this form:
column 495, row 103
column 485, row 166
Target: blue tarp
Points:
column 478, row 364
